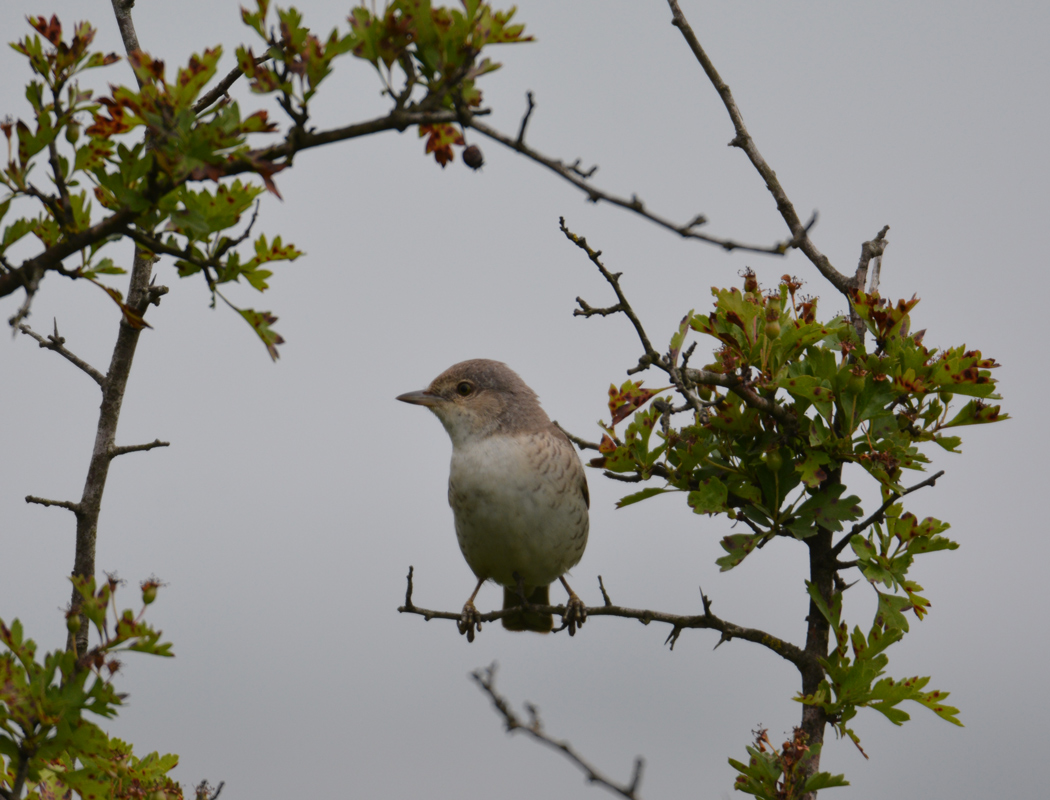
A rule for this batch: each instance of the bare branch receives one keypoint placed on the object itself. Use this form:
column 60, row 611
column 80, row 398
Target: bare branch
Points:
column 520, row 141
column 223, row 86
column 54, row 342
column 583, row 444
column 408, row 606
column 76, row 508
column 614, row 280
column 729, row 630
column 877, row 516
column 573, row 175
column 486, row 679
column 870, row 251
column 136, row 448
column 684, row 379
column 397, row 119
column 624, row 478
column 122, row 11
column 800, row 236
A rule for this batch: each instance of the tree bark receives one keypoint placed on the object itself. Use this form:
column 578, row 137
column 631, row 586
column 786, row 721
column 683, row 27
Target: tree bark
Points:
column 113, row 387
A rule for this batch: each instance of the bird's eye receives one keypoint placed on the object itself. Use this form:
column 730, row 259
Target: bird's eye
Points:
column 464, row 388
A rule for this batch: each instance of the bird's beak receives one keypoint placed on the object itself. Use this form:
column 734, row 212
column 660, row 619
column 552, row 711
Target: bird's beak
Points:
column 422, row 398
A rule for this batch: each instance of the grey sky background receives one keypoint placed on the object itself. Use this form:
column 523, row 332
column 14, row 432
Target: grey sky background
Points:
column 294, row 496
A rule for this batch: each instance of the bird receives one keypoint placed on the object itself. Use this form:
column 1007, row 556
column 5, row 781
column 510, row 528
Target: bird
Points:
column 517, row 489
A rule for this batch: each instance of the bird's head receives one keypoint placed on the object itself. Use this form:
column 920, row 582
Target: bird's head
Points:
column 479, row 398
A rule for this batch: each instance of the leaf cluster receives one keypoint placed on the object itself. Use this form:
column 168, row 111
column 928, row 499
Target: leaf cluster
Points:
column 160, row 161
column 855, row 668
column 763, row 434
column 136, row 159
column 784, row 774
column 435, row 51
column 47, row 743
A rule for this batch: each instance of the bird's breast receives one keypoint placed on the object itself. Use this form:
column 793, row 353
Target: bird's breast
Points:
column 519, row 506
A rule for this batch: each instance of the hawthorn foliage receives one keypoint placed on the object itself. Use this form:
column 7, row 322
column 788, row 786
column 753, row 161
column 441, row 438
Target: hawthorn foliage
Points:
column 163, row 159
column 762, row 435
column 48, row 743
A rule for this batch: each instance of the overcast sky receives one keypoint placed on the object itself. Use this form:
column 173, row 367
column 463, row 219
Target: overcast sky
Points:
column 295, row 495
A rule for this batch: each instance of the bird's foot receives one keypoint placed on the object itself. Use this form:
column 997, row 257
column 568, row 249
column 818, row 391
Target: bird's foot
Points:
column 469, row 620
column 575, row 613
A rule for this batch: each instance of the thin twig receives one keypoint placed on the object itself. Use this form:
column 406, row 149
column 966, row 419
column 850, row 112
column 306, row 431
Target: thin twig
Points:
column 54, row 342
column 583, row 444
column 684, row 379
column 877, row 516
column 871, row 251
column 136, row 448
column 223, row 86
column 408, row 606
column 729, row 630
column 76, row 508
column 573, row 175
column 799, row 234
column 520, row 141
column 614, row 280
column 486, row 679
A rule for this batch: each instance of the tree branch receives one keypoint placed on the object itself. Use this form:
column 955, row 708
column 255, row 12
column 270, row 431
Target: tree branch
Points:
column 397, row 119
column 877, row 516
column 54, row 342
column 122, row 11
column 223, row 86
column 525, row 119
column 583, row 444
column 869, row 251
column 486, row 679
column 800, row 235
column 678, row 623
column 271, row 159
column 76, row 508
column 33, row 269
column 572, row 174
column 136, row 448
column 683, row 378
column 614, row 281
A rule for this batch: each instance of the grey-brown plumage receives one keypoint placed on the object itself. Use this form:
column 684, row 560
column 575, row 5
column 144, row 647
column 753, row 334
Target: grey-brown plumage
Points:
column 516, row 487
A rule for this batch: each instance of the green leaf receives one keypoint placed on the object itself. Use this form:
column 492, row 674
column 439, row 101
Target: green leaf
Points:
column 975, row 413
column 826, row 509
column 261, row 322
column 824, row 780
column 637, row 497
column 810, row 469
column 891, row 611
column 709, row 498
column 949, row 443
column 738, row 546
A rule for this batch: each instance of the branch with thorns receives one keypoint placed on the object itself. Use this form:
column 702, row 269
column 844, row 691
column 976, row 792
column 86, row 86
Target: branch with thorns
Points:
column 678, row 622
column 486, row 679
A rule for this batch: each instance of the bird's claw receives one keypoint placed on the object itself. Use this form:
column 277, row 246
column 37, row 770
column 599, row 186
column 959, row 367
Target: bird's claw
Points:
column 575, row 613
column 469, row 620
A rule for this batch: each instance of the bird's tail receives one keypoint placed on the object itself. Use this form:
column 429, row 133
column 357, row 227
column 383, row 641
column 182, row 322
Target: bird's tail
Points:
column 528, row 620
